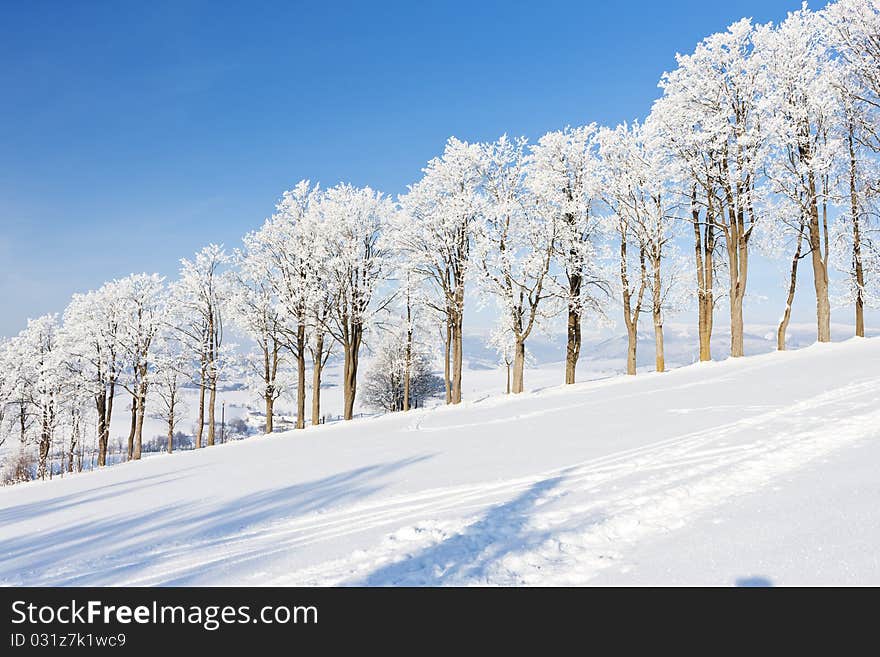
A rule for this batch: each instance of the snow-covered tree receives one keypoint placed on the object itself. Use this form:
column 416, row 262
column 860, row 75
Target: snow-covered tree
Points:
column 42, row 371
column 439, row 214
column 143, row 303
column 197, row 302
column 851, row 28
column 93, row 333
column 711, row 119
column 355, row 261
column 285, row 254
column 563, row 174
column 173, row 369
column 400, row 375
column 801, row 113
column 643, row 215
column 255, row 310
column 514, row 245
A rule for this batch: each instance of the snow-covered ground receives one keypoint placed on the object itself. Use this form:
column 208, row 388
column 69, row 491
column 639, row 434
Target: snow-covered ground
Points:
column 748, row 471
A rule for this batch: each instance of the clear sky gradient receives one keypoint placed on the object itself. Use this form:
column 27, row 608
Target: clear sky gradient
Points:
column 133, row 133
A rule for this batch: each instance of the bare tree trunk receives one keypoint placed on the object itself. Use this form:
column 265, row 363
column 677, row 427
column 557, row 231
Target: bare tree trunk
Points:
column 101, row 407
column 133, row 429
column 317, row 367
column 171, row 429
column 316, row 394
column 857, row 240
column 406, row 378
column 457, row 351
column 350, row 371
column 657, row 314
column 201, row 419
column 45, row 444
column 632, row 342
column 736, row 295
column 631, row 311
column 139, row 425
column 269, row 378
column 447, row 355
column 74, row 439
column 519, row 361
column 270, row 406
column 820, row 270
column 212, row 405
column 704, row 257
column 507, row 390
column 792, row 285
column 737, row 255
column 573, row 345
column 301, row 377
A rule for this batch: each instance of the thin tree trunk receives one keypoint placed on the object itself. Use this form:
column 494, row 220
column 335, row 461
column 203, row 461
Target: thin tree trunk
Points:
column 507, row 390
column 269, row 379
column 45, row 444
column 212, row 405
column 703, row 254
column 201, row 419
column 447, row 355
column 108, row 416
column 139, row 425
column 406, row 377
column 792, row 285
column 74, row 439
column 133, row 429
column 171, row 429
column 101, row 407
column 301, row 377
column 573, row 345
column 857, row 240
column 659, row 360
column 317, row 367
column 631, row 311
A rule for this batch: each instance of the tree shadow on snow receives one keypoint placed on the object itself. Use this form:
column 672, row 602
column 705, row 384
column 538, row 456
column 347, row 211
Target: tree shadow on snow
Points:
column 467, row 557
column 123, row 546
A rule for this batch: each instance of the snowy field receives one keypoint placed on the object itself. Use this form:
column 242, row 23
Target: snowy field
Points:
column 760, row 470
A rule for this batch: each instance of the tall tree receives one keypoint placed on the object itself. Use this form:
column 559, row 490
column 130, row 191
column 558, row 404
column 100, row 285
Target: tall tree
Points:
column 713, row 123
column 285, row 250
column 514, row 245
column 440, row 212
column 93, row 335
column 198, row 298
column 801, row 113
column 256, row 311
column 563, row 173
column 644, row 214
column 143, row 302
column 355, row 260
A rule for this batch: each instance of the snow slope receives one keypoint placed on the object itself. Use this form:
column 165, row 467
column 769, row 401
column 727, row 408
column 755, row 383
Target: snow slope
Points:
column 755, row 470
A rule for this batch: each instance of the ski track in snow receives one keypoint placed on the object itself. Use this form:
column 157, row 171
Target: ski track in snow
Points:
column 557, row 527
column 620, row 499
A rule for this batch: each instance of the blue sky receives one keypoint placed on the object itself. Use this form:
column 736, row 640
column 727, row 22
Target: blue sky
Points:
column 134, row 133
